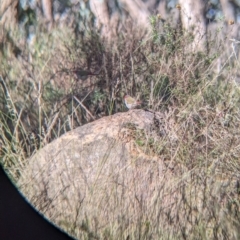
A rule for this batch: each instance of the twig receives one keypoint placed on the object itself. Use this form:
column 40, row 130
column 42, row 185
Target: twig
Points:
column 80, row 102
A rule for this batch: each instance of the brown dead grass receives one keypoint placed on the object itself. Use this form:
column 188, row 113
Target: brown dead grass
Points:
column 198, row 138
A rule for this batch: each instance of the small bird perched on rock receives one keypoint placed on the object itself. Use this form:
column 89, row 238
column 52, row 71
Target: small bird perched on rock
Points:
column 131, row 102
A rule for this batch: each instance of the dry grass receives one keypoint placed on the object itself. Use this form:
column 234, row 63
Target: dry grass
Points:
column 42, row 97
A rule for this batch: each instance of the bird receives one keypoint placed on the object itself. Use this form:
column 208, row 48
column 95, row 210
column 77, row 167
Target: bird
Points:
column 131, row 102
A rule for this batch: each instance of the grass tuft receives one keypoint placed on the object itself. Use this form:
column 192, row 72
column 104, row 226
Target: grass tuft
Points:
column 42, row 96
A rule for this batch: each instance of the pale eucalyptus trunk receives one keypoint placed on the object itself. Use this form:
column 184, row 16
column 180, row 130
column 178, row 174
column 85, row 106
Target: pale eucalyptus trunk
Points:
column 192, row 16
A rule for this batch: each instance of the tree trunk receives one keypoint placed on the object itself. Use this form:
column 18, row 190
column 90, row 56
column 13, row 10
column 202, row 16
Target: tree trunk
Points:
column 192, row 16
